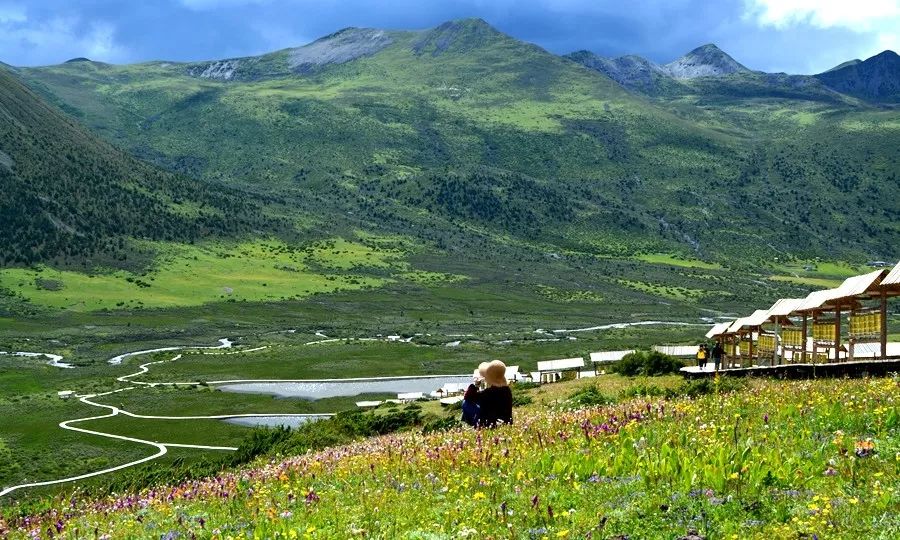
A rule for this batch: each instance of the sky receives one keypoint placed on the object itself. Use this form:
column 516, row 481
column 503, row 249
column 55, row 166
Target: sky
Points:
column 794, row 36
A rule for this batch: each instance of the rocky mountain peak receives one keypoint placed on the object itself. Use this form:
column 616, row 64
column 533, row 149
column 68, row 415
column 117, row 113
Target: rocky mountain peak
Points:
column 458, row 35
column 704, row 61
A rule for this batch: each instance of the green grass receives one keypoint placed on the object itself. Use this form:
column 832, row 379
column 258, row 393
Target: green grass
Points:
column 666, row 291
column 831, row 269
column 673, row 260
column 821, row 283
column 777, row 460
column 207, row 401
column 184, row 275
column 562, row 295
column 34, row 448
column 292, row 360
column 202, row 432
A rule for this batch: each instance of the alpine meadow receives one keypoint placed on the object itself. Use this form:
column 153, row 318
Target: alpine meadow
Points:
column 244, row 297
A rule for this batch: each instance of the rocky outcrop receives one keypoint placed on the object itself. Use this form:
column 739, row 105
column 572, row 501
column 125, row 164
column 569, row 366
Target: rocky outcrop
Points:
column 342, row 46
column 631, row 71
column 223, row 70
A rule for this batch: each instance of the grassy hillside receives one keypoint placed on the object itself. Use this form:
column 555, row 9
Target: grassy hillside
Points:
column 465, row 125
column 719, row 465
column 68, row 196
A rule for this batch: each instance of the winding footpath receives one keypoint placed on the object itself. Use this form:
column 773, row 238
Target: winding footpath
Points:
column 161, row 447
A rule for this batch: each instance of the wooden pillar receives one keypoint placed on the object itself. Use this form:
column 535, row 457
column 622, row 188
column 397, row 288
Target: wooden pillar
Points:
column 776, row 358
column 803, row 331
column 883, row 329
column 851, row 341
column 837, row 333
column 750, row 348
column 815, row 349
column 735, row 349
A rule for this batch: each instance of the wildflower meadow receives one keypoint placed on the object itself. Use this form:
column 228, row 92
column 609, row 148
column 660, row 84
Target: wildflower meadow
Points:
column 810, row 459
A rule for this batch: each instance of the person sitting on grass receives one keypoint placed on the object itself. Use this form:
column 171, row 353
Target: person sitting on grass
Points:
column 470, row 398
column 495, row 401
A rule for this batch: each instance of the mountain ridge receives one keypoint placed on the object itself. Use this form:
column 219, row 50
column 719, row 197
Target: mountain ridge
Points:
column 633, row 72
column 68, row 194
column 462, row 123
column 876, row 78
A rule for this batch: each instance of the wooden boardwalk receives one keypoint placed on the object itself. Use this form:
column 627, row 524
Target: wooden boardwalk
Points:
column 859, row 368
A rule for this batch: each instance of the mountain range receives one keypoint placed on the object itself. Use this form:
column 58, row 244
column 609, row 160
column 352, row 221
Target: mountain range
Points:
column 461, row 132
column 876, row 79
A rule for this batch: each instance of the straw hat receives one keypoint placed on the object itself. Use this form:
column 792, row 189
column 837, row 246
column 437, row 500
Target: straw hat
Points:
column 481, row 367
column 494, row 373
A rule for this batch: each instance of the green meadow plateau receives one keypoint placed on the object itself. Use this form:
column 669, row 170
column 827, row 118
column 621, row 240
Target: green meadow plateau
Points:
column 392, row 202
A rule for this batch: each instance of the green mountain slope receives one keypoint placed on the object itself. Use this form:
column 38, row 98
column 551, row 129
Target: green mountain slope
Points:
column 462, row 124
column 68, row 195
column 876, row 78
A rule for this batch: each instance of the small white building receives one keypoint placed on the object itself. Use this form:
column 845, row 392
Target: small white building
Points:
column 368, row 404
column 552, row 370
column 605, row 357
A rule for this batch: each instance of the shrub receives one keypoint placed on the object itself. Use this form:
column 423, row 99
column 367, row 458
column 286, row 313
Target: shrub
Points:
column 702, row 387
column 521, row 398
column 642, row 390
column 439, row 424
column 646, row 363
column 588, row 396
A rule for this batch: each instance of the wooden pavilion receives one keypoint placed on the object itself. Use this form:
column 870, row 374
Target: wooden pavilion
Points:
column 862, row 300
column 786, row 336
column 742, row 332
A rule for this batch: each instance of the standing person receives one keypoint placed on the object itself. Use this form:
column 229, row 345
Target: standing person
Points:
column 702, row 353
column 495, row 401
column 470, row 406
column 717, row 353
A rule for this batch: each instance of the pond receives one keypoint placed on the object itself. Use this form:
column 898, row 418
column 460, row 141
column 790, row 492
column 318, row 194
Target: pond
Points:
column 291, row 421
column 345, row 388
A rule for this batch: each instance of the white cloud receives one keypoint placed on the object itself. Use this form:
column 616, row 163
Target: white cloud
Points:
column 860, row 15
column 55, row 40
column 877, row 19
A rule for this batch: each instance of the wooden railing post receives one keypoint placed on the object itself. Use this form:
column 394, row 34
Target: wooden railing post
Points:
column 837, row 333
column 803, row 331
column 883, row 329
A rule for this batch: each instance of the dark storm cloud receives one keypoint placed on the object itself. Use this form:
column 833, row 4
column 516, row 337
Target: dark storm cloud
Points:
column 50, row 31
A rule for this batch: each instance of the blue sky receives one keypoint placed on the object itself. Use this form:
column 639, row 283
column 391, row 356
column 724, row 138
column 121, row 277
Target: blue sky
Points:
column 796, row 36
